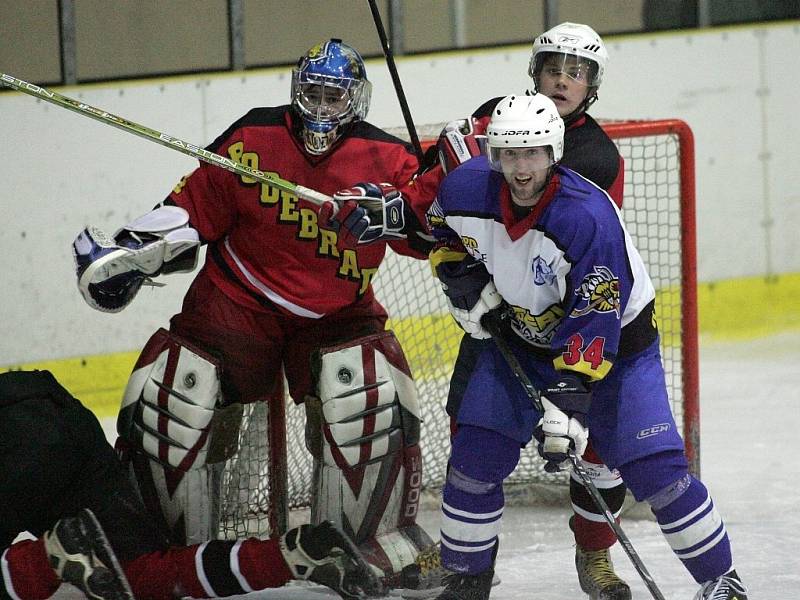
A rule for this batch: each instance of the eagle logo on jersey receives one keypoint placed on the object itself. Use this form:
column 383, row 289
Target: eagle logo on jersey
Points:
column 600, row 290
column 542, row 272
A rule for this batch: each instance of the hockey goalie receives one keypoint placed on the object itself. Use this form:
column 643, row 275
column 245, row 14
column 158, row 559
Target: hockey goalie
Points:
column 278, row 293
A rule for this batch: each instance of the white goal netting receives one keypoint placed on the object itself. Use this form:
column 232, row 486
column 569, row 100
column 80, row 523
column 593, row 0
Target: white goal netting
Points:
column 261, row 487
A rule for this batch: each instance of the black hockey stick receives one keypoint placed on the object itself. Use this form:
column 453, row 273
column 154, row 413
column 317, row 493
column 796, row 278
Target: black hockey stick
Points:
column 492, row 322
column 398, row 87
column 158, row 137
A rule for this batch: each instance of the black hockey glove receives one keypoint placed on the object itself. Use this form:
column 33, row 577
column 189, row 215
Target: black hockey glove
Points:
column 562, row 426
column 470, row 293
column 325, row 555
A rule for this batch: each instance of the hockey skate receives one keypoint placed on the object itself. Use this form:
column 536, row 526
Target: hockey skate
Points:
column 323, row 554
column 724, row 587
column 467, row 587
column 424, row 578
column 597, row 577
column 81, row 555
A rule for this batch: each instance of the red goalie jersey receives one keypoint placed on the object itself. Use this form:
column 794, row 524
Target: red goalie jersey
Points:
column 265, row 248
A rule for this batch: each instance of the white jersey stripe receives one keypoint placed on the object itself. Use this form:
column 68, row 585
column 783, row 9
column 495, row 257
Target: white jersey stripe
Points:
column 201, row 573
column 9, row 584
column 237, row 572
column 269, row 293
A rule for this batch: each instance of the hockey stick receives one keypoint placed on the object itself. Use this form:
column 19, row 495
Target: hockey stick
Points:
column 492, row 322
column 398, row 87
column 174, row 143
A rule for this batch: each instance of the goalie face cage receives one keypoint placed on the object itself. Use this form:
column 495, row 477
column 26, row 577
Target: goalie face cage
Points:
column 271, row 474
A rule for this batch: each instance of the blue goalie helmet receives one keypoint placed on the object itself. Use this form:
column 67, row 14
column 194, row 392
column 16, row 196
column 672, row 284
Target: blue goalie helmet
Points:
column 329, row 89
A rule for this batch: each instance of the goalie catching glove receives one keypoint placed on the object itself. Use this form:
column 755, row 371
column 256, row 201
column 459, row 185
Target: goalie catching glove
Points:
column 368, row 212
column 111, row 270
column 325, row 555
column 469, row 289
column 562, row 426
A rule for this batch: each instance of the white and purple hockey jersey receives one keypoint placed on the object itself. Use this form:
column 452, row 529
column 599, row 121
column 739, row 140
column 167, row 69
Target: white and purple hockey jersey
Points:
column 569, row 270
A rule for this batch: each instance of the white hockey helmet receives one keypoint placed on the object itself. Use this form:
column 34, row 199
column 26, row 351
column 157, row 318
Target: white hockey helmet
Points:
column 525, row 122
column 573, row 39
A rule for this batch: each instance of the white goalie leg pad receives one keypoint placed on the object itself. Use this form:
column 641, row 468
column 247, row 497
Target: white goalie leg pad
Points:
column 368, row 471
column 168, row 419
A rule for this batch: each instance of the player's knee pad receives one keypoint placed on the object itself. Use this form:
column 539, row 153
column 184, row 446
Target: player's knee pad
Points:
column 178, row 436
column 648, row 475
column 483, row 454
column 364, row 434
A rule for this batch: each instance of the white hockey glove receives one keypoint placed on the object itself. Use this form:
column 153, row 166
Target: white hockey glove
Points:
column 112, row 269
column 562, row 426
column 470, row 293
column 368, row 212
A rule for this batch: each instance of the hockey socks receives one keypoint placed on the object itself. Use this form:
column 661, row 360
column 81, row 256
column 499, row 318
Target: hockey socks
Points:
column 472, row 502
column 693, row 528
column 588, row 524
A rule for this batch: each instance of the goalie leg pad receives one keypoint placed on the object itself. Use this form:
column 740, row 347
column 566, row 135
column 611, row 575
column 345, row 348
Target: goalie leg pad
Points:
column 177, row 436
column 367, row 464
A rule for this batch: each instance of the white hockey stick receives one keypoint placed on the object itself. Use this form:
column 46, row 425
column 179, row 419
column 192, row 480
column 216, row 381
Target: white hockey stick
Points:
column 198, row 152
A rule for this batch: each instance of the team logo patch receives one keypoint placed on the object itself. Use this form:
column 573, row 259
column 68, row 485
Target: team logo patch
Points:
column 318, row 51
column 542, row 272
column 600, row 290
column 653, row 430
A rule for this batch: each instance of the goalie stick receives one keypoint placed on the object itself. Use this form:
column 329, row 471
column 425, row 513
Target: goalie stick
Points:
column 169, row 141
column 491, row 322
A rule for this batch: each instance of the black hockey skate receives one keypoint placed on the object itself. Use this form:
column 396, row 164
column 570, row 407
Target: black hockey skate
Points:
column 81, row 555
column 325, row 555
column 424, row 578
column 597, row 577
column 724, row 587
column 467, row 587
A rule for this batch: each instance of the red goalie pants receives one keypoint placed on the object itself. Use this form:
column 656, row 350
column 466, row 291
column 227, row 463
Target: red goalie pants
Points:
column 253, row 345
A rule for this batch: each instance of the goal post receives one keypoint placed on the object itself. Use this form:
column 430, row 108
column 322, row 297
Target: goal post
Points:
column 674, row 160
column 271, row 474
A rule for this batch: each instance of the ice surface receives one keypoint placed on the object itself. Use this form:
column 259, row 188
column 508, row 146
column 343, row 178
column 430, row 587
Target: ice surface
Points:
column 750, row 419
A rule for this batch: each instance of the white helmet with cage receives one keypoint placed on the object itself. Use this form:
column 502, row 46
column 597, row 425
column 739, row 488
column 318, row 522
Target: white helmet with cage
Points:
column 571, row 40
column 525, row 122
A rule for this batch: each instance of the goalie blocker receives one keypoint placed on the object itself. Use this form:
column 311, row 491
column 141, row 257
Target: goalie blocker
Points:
column 363, row 432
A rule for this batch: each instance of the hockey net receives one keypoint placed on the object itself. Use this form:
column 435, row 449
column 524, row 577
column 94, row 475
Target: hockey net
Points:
column 271, row 474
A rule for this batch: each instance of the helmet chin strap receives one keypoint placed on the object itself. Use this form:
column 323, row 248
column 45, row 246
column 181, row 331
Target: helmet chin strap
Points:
column 576, row 114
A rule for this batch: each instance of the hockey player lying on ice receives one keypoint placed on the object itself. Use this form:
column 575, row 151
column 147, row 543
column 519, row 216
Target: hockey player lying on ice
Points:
column 61, row 481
